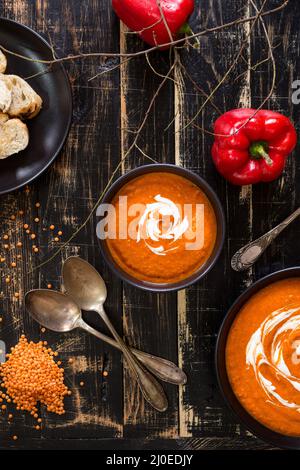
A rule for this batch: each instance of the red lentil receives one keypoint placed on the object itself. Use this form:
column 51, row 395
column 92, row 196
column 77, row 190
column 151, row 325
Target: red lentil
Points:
column 42, row 380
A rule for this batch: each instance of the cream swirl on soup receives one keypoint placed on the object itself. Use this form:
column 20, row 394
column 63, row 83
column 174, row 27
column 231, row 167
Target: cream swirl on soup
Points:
column 263, row 356
column 266, row 350
column 161, row 220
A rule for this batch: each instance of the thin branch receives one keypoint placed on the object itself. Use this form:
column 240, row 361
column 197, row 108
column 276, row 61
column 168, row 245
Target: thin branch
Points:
column 158, row 3
column 145, row 154
column 161, row 75
column 271, row 56
column 198, row 88
column 228, row 71
column 147, row 51
column 144, row 29
column 110, row 69
column 131, row 147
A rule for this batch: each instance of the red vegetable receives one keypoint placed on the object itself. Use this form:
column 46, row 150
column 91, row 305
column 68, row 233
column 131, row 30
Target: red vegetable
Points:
column 144, row 17
column 258, row 151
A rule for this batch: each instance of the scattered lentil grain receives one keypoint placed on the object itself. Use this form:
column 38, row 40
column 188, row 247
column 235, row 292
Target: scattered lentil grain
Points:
column 42, row 380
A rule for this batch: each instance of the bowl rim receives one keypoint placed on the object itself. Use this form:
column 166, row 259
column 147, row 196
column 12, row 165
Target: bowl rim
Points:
column 215, row 202
column 244, row 417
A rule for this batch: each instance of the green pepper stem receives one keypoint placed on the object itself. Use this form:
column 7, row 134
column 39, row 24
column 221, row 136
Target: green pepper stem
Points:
column 186, row 29
column 260, row 150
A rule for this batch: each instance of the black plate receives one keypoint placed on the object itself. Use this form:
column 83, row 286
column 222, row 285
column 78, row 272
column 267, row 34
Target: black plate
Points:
column 49, row 129
column 274, row 438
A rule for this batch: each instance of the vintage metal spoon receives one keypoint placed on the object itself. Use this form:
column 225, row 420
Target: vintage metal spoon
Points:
column 87, row 288
column 249, row 254
column 58, row 312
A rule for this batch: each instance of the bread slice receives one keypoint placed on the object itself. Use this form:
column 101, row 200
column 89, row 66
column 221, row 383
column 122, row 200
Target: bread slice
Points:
column 3, row 118
column 3, row 62
column 5, row 94
column 14, row 137
column 25, row 102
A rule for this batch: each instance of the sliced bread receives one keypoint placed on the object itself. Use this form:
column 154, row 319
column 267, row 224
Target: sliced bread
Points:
column 25, row 102
column 14, row 137
column 3, row 62
column 5, row 94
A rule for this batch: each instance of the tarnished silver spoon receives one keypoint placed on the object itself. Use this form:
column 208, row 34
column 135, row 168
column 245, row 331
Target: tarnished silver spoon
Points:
column 87, row 288
column 58, row 312
column 246, row 256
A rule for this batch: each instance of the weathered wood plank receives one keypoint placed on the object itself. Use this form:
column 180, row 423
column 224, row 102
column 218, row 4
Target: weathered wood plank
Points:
column 192, row 444
column 275, row 201
column 202, row 307
column 67, row 193
column 149, row 319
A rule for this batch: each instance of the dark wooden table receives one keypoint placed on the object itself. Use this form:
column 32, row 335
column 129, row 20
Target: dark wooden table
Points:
column 109, row 412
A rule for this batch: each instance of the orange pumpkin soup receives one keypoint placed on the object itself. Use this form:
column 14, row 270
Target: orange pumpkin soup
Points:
column 170, row 228
column 263, row 356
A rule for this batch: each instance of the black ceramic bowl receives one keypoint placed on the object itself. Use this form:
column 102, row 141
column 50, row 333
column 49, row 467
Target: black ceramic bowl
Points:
column 254, row 426
column 211, row 195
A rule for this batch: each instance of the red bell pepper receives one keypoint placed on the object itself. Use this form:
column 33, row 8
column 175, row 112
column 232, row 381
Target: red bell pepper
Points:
column 256, row 151
column 144, row 17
